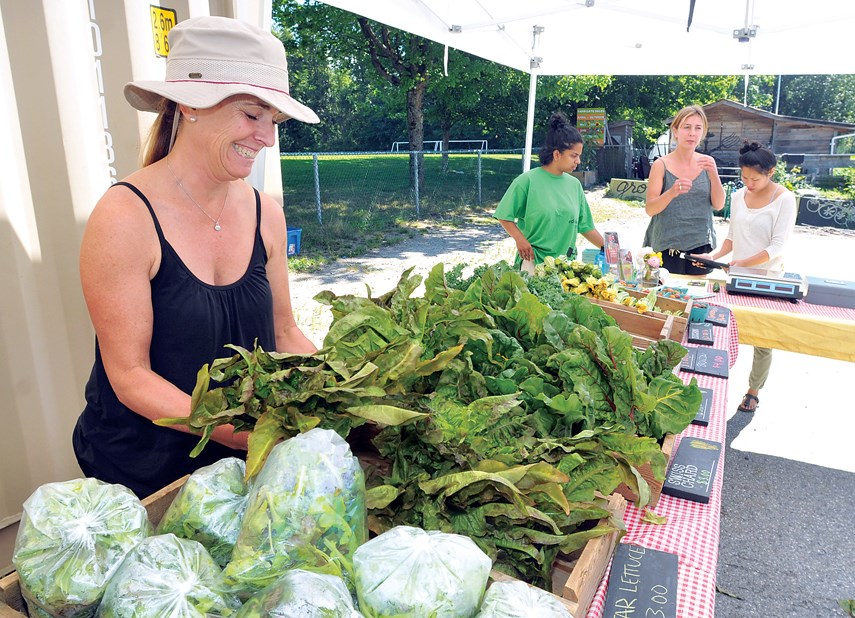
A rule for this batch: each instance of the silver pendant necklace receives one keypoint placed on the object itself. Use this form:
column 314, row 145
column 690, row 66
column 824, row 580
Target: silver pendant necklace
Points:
column 217, row 226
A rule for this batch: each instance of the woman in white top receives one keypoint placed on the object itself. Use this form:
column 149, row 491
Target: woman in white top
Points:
column 762, row 215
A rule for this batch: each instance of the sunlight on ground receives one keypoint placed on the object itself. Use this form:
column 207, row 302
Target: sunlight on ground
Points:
column 805, row 412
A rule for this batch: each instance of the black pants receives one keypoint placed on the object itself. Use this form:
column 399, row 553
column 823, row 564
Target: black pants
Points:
column 678, row 266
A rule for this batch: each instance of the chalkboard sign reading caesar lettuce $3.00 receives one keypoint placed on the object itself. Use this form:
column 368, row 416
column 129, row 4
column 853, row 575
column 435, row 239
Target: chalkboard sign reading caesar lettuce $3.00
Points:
column 705, row 410
column 643, row 583
column 693, row 470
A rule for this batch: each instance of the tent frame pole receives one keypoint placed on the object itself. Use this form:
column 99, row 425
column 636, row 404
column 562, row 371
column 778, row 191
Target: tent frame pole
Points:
column 529, row 124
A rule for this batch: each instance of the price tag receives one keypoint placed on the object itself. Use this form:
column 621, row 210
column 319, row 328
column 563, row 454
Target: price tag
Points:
column 693, row 470
column 718, row 316
column 162, row 21
column 642, row 582
column 702, row 418
column 701, row 332
column 708, row 361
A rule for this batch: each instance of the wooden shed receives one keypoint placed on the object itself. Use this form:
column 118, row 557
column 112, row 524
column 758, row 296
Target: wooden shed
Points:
column 730, row 124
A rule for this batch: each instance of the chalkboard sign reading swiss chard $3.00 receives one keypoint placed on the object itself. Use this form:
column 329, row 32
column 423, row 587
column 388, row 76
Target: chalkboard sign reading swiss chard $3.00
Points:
column 642, row 582
column 702, row 418
column 693, row 470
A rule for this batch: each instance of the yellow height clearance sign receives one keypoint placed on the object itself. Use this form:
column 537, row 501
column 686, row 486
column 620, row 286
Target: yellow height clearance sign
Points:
column 591, row 123
column 162, row 21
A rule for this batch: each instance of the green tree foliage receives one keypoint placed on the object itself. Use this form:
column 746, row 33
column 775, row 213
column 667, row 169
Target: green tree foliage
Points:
column 650, row 100
column 824, row 97
column 761, row 91
column 358, row 76
column 326, row 60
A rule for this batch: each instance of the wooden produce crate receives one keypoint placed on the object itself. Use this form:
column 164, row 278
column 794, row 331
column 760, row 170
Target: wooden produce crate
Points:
column 647, row 472
column 575, row 578
column 645, row 328
column 672, row 305
column 651, row 325
column 11, row 602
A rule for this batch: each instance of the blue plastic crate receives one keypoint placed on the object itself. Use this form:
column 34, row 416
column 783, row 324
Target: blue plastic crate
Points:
column 295, row 235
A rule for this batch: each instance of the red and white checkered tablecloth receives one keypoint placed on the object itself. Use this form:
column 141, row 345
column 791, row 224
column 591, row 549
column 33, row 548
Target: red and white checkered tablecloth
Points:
column 692, row 529
column 777, row 304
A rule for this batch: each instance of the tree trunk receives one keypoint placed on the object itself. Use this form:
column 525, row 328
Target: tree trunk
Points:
column 416, row 130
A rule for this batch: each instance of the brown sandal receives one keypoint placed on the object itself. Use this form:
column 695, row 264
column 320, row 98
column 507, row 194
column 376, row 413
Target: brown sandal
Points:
column 749, row 403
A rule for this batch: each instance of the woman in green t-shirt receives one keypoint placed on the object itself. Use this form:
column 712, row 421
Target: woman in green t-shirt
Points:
column 545, row 208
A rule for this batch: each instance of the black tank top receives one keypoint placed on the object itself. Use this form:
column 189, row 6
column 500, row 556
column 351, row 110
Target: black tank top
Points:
column 192, row 322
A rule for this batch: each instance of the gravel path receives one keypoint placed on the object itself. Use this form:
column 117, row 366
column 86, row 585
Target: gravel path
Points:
column 480, row 242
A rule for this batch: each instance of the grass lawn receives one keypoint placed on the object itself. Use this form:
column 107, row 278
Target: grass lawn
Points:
column 366, row 201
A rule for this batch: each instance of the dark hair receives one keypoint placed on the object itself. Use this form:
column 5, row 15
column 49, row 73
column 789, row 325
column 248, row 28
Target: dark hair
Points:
column 757, row 157
column 560, row 136
column 157, row 144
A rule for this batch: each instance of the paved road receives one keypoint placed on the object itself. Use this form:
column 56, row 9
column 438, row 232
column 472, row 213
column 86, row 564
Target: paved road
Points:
column 786, row 546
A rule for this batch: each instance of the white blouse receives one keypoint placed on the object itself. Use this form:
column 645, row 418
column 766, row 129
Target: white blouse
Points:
column 753, row 230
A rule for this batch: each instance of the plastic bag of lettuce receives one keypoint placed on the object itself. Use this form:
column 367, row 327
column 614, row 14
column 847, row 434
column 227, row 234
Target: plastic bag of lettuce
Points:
column 72, row 537
column 301, row 594
column 306, row 510
column 209, row 507
column 168, row 577
column 409, row 572
column 519, row 600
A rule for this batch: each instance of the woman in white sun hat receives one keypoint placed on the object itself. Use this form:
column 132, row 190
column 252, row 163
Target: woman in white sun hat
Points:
column 183, row 256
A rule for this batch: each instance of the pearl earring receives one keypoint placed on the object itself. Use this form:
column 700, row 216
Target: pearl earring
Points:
column 191, row 118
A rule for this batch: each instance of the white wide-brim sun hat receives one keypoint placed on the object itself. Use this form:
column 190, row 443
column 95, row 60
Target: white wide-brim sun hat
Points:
column 213, row 58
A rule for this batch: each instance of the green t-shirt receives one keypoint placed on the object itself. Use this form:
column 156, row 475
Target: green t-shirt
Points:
column 550, row 211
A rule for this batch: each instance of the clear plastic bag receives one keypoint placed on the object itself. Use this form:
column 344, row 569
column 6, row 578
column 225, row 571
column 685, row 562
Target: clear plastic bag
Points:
column 72, row 537
column 519, row 600
column 409, row 572
column 209, row 507
column 301, row 594
column 306, row 510
column 168, row 577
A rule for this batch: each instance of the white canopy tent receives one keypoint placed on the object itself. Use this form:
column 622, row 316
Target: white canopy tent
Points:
column 632, row 37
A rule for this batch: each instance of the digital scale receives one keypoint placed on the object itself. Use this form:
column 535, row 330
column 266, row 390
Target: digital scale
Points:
column 758, row 282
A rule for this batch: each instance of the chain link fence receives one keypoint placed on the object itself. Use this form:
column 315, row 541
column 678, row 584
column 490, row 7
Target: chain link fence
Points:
column 324, row 186
column 345, row 203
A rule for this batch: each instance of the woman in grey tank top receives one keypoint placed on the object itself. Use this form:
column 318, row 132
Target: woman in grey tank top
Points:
column 683, row 190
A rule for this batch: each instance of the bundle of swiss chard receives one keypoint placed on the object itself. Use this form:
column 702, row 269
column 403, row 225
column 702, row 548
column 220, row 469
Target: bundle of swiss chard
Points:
column 501, row 416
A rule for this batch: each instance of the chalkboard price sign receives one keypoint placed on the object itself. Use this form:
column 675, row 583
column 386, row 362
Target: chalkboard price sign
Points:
column 642, row 582
column 718, row 316
column 688, row 362
column 693, row 469
column 708, row 361
column 704, row 412
column 701, row 332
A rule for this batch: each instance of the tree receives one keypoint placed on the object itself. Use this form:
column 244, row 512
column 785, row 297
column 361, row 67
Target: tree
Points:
column 821, row 97
column 404, row 59
column 326, row 57
column 650, row 100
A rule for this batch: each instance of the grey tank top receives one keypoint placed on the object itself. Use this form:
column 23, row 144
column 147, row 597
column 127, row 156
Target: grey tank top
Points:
column 687, row 222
